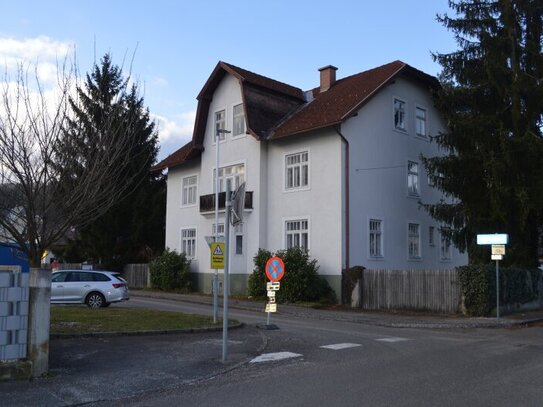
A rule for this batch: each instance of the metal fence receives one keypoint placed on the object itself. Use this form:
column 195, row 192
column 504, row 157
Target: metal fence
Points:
column 425, row 290
column 137, row 275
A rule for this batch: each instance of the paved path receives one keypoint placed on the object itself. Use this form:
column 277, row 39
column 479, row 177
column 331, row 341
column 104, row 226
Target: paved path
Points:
column 389, row 319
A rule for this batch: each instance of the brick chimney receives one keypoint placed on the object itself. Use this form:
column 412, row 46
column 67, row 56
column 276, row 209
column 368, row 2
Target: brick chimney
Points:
column 328, row 77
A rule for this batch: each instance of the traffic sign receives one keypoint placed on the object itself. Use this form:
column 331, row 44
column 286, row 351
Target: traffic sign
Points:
column 217, row 255
column 273, row 286
column 498, row 249
column 496, row 238
column 271, row 308
column 275, row 269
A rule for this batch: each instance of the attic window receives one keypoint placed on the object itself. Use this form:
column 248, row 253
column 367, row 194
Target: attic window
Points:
column 220, row 124
column 238, row 120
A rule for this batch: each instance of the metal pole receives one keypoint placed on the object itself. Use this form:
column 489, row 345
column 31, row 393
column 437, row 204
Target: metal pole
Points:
column 226, row 284
column 497, row 289
column 216, row 273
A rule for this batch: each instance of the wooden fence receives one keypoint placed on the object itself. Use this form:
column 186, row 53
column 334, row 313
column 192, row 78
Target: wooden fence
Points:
column 425, row 290
column 137, row 275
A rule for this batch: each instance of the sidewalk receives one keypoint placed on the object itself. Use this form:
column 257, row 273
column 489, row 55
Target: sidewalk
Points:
column 376, row 318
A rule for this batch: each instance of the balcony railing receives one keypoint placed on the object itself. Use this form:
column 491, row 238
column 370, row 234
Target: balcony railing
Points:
column 207, row 202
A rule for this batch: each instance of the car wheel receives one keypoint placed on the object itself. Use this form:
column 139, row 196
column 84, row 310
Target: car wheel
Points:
column 95, row 300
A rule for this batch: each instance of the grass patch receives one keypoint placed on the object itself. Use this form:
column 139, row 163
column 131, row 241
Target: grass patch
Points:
column 82, row 320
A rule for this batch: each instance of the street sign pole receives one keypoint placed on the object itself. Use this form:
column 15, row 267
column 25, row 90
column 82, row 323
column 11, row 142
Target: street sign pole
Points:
column 497, row 289
column 226, row 284
column 498, row 242
column 216, row 234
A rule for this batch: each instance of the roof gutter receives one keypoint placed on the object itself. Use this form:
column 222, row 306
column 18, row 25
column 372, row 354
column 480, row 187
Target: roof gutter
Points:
column 345, row 273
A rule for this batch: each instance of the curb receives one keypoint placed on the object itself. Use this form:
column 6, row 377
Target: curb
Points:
column 503, row 324
column 142, row 333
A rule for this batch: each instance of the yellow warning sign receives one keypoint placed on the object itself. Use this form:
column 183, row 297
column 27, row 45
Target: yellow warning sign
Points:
column 217, row 255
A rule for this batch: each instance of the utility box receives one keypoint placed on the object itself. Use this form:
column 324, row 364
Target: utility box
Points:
column 14, row 299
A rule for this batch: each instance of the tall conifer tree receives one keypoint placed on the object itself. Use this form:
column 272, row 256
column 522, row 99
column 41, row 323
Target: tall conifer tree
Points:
column 132, row 230
column 492, row 102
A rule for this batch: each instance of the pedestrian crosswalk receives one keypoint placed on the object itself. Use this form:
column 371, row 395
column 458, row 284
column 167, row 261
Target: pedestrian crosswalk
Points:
column 272, row 357
column 339, row 346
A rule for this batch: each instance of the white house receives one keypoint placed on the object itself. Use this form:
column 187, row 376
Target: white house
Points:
column 336, row 169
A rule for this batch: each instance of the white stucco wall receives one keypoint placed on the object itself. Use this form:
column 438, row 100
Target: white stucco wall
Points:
column 378, row 180
column 243, row 149
column 320, row 203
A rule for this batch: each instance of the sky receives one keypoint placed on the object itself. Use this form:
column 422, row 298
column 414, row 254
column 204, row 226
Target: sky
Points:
column 171, row 47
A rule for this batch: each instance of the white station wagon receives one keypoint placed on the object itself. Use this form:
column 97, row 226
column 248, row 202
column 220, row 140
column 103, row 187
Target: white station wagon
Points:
column 94, row 288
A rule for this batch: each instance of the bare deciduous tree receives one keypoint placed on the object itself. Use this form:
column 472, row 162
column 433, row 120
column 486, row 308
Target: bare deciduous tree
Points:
column 48, row 185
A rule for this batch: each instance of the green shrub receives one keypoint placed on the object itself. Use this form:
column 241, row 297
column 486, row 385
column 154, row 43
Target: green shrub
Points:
column 169, row 271
column 478, row 285
column 301, row 282
column 257, row 279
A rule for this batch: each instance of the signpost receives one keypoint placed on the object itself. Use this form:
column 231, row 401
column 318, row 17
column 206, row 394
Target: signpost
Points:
column 275, row 270
column 217, row 255
column 498, row 242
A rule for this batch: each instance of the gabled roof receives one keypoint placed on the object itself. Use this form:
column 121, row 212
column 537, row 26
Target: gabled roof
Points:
column 343, row 99
column 265, row 100
column 275, row 110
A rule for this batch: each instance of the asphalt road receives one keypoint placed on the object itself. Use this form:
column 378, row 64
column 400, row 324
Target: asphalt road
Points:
column 350, row 364
column 308, row 361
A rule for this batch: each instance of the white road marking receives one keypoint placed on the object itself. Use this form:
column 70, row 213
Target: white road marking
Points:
column 339, row 346
column 272, row 357
column 392, row 339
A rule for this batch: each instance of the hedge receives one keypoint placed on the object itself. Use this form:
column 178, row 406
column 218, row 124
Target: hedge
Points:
column 301, row 282
column 478, row 284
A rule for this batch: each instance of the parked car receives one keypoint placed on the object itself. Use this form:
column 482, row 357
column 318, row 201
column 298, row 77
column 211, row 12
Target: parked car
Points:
column 94, row 288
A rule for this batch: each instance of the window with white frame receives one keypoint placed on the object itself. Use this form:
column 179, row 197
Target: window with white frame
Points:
column 431, row 236
column 188, row 242
column 233, row 174
column 399, row 114
column 238, row 121
column 297, row 170
column 420, row 121
column 220, row 124
column 412, row 178
column 376, row 238
column 189, row 190
column 238, row 230
column 297, row 233
column 445, row 245
column 413, row 240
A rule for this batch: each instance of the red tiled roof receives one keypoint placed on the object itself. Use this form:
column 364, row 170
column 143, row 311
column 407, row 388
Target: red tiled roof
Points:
column 185, row 153
column 275, row 110
column 265, row 82
column 337, row 103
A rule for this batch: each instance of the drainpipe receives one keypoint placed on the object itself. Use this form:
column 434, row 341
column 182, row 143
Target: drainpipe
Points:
column 347, row 212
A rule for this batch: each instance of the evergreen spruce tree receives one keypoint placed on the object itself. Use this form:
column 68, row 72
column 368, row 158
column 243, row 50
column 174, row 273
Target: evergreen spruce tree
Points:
column 132, row 230
column 492, row 101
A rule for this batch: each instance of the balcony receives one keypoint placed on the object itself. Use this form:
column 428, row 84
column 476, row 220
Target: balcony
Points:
column 207, row 202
